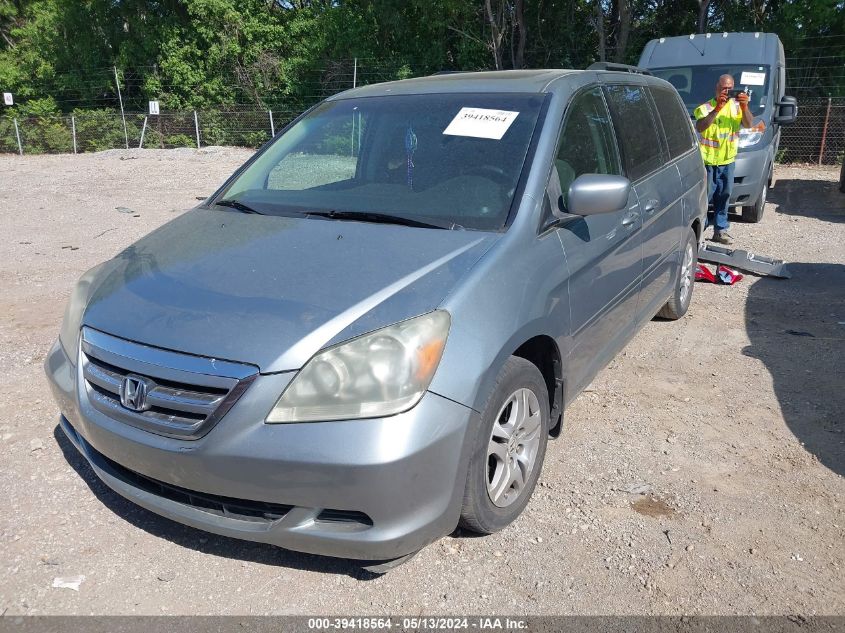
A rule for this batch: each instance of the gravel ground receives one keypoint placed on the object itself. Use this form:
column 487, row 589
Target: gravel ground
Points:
column 701, row 472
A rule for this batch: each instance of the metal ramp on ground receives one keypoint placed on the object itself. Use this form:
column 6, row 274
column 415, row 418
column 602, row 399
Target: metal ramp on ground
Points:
column 737, row 258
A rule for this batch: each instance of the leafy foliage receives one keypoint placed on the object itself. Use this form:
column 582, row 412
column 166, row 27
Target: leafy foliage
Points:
column 59, row 55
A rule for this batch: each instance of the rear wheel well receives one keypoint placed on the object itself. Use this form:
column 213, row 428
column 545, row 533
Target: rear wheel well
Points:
column 542, row 351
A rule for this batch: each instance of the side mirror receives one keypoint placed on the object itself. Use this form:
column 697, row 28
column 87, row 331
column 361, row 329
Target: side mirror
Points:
column 592, row 194
column 787, row 111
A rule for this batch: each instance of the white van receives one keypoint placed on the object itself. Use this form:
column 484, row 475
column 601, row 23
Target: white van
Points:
column 693, row 64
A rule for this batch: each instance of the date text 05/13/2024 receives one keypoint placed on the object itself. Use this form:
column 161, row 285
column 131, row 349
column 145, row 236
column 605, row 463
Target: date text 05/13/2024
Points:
column 418, row 623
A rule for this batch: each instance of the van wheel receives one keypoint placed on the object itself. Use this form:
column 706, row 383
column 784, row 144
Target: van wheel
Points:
column 510, row 448
column 842, row 176
column 754, row 213
column 678, row 303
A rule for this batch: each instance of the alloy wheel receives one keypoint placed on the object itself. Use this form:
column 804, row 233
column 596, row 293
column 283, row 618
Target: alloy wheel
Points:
column 513, row 445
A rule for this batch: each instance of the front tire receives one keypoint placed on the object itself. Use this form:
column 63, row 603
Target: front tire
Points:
column 681, row 298
column 510, row 449
column 842, row 177
column 753, row 213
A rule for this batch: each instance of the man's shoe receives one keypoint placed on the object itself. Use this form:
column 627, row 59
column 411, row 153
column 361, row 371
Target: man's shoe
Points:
column 723, row 237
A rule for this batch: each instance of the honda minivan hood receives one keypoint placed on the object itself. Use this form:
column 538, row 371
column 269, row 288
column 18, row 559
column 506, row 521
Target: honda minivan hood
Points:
column 271, row 290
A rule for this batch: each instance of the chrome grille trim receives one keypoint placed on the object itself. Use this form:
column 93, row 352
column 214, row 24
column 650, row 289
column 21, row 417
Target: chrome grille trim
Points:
column 137, row 358
column 189, row 401
column 186, row 395
column 158, row 396
column 100, row 376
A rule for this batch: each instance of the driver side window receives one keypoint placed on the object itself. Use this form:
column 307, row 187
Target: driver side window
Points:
column 586, row 144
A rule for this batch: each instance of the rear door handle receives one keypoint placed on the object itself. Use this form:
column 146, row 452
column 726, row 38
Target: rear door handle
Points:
column 651, row 206
column 629, row 219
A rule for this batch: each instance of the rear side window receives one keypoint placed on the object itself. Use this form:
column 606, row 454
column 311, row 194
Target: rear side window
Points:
column 677, row 126
column 636, row 129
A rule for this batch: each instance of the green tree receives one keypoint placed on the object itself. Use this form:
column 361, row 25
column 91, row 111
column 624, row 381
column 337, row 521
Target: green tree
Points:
column 58, row 55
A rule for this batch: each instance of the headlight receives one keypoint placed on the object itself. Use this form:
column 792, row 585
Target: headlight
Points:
column 750, row 136
column 376, row 375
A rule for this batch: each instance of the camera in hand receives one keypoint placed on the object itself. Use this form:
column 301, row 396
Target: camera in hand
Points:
column 733, row 94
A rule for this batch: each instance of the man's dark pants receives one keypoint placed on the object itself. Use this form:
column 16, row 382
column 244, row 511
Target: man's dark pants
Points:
column 720, row 179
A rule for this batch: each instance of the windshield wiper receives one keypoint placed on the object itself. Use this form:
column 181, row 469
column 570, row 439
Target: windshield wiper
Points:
column 237, row 204
column 381, row 218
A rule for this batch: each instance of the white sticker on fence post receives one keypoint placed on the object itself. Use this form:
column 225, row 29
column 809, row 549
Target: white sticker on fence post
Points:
column 154, row 107
column 7, row 98
column 481, row 123
column 752, row 79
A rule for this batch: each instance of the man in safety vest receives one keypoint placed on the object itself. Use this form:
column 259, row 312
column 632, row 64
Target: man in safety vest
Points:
column 718, row 122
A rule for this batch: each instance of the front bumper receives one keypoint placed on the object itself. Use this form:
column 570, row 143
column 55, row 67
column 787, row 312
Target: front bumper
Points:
column 363, row 489
column 750, row 174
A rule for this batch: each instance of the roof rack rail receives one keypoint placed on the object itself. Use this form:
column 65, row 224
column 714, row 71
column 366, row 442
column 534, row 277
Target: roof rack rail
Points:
column 450, row 72
column 625, row 68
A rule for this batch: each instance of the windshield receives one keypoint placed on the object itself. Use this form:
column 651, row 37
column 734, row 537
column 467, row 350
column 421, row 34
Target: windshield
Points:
column 697, row 84
column 449, row 159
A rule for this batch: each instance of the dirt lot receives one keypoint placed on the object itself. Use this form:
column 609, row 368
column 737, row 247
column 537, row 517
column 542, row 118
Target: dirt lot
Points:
column 730, row 421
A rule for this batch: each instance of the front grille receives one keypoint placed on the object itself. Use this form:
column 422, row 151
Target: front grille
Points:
column 181, row 395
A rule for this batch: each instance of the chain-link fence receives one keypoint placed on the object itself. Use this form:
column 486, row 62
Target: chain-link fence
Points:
column 818, row 136
column 94, row 128
column 98, row 130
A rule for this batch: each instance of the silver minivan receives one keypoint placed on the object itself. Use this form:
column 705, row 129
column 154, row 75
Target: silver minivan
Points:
column 368, row 334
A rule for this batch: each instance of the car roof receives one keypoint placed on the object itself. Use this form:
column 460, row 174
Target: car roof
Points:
column 526, row 81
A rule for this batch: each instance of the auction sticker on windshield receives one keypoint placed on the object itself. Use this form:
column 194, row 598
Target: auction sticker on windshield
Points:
column 753, row 79
column 481, row 123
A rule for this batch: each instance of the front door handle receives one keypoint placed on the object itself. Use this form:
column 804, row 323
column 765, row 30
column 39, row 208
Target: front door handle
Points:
column 651, row 206
column 629, row 219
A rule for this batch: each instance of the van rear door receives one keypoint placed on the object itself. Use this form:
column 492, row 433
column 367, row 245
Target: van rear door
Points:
column 657, row 186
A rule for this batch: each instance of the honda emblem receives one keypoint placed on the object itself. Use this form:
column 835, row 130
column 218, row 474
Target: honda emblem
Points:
column 133, row 393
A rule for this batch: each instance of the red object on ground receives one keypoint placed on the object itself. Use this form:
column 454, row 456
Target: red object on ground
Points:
column 728, row 276
column 702, row 273
column 724, row 275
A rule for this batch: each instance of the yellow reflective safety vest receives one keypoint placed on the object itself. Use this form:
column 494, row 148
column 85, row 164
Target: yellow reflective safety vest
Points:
column 720, row 141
